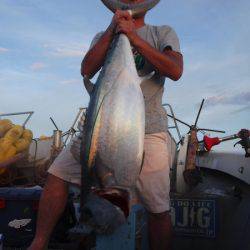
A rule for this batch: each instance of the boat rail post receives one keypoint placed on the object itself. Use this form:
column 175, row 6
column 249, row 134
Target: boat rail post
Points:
column 174, row 120
column 72, row 131
column 174, row 167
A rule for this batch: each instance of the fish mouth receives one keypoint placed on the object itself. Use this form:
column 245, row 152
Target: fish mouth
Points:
column 136, row 8
column 117, row 196
column 105, row 209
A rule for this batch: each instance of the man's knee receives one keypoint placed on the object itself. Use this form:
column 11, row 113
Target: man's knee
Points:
column 55, row 180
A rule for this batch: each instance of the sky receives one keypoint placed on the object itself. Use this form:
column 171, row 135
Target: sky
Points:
column 42, row 43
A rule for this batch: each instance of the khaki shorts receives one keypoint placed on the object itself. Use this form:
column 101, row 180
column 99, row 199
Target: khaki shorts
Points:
column 153, row 185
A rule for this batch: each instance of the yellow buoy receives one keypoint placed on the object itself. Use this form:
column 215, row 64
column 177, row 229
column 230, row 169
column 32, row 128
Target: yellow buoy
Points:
column 5, row 125
column 27, row 134
column 14, row 133
column 4, row 145
column 22, row 144
column 4, row 156
column 44, row 137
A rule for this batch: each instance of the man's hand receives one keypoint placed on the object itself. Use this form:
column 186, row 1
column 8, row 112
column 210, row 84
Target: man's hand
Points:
column 119, row 14
column 123, row 22
column 95, row 57
column 125, row 25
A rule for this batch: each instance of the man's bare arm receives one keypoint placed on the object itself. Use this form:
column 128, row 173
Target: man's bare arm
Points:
column 168, row 63
column 95, row 57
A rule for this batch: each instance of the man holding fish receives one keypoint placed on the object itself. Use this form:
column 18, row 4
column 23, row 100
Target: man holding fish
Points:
column 155, row 48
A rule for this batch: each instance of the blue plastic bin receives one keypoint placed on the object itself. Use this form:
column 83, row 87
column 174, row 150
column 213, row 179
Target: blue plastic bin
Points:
column 18, row 212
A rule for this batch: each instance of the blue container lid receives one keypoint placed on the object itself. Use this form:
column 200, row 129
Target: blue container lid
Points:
column 33, row 193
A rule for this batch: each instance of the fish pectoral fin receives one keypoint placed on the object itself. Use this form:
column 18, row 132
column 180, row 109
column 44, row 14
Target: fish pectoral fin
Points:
column 88, row 85
column 147, row 77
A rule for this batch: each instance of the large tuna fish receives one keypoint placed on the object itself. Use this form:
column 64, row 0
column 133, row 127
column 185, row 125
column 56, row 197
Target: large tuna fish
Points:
column 115, row 118
column 112, row 148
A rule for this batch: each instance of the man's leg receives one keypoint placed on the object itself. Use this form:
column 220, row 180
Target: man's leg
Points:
column 51, row 207
column 153, row 187
column 160, row 231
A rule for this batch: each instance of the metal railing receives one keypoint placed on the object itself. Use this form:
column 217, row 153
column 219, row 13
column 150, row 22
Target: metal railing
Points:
column 174, row 120
column 29, row 113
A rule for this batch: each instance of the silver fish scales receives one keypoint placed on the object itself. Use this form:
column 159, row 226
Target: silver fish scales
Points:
column 115, row 122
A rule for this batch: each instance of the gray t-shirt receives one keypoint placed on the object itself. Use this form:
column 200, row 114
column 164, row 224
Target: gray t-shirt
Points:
column 159, row 37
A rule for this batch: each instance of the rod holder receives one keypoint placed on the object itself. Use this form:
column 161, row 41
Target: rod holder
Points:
column 57, row 139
